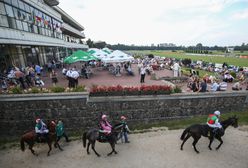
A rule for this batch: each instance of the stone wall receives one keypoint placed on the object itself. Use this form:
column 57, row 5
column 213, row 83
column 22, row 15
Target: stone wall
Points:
column 79, row 112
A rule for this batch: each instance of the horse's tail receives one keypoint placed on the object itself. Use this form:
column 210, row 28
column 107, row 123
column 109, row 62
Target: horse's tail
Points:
column 84, row 139
column 185, row 132
column 22, row 144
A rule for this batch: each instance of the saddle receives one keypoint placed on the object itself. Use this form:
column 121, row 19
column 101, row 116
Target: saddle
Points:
column 41, row 138
column 103, row 137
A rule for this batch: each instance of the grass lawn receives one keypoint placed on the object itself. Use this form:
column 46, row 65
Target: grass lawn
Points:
column 214, row 59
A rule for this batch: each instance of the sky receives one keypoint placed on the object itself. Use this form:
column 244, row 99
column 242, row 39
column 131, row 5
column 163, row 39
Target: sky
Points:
column 146, row 22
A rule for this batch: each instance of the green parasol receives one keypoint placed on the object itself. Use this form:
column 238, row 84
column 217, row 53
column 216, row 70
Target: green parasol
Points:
column 79, row 56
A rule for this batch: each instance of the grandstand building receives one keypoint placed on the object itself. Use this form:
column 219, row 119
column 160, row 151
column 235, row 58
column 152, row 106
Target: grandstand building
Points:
column 36, row 32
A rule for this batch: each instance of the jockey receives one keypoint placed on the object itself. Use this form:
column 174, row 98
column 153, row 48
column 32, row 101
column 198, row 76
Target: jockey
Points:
column 105, row 125
column 213, row 121
column 41, row 128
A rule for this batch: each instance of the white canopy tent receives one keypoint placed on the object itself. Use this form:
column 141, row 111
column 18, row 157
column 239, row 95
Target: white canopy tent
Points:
column 98, row 53
column 117, row 56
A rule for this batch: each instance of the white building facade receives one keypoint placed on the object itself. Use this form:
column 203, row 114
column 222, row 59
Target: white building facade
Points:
column 36, row 32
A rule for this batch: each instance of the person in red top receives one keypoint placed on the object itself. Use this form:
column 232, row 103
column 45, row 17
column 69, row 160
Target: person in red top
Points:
column 213, row 121
column 105, row 125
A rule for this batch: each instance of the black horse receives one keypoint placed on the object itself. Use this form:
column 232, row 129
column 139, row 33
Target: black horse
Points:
column 198, row 130
column 94, row 135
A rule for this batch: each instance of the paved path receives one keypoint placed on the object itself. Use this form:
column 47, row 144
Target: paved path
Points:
column 103, row 77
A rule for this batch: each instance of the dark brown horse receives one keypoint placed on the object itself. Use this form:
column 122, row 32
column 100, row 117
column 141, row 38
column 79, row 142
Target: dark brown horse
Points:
column 30, row 138
column 197, row 130
column 94, row 135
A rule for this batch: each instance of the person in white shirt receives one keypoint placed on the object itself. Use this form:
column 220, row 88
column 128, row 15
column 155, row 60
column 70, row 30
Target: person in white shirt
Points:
column 143, row 74
column 74, row 76
column 69, row 78
column 215, row 87
column 176, row 69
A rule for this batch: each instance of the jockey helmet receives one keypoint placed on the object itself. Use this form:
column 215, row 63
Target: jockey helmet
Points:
column 104, row 116
column 37, row 120
column 123, row 117
column 217, row 113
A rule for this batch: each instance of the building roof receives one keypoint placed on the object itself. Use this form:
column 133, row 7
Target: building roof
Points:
column 68, row 19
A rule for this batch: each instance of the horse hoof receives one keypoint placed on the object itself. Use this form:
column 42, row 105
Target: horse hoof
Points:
column 88, row 153
column 61, row 149
column 216, row 148
column 197, row 152
column 98, row 155
column 181, row 149
column 210, row 148
column 116, row 153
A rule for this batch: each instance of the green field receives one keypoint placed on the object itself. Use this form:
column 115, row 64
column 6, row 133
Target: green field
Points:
column 242, row 62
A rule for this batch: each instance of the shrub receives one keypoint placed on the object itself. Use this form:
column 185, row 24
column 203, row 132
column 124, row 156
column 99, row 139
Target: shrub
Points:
column 34, row 90
column 57, row 89
column 177, row 90
column 80, row 88
column 16, row 90
column 233, row 74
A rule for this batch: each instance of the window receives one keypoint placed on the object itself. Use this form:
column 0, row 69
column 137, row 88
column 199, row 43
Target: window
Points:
column 19, row 24
column 9, row 11
column 8, row 1
column 30, row 28
column 15, row 13
column 35, row 29
column 12, row 22
column 2, row 10
column 15, row 3
column 21, row 5
column 3, row 21
column 24, row 16
column 27, row 9
column 25, row 26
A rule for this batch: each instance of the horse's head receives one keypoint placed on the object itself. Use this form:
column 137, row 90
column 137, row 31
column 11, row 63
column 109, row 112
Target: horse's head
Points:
column 233, row 121
column 52, row 126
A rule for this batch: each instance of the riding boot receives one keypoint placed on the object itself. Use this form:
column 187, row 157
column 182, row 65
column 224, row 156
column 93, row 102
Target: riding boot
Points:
column 215, row 130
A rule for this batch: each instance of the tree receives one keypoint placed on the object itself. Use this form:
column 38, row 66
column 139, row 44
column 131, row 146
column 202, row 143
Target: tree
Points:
column 90, row 43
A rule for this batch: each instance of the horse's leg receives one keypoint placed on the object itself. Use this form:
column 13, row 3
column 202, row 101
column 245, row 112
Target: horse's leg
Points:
column 57, row 144
column 50, row 148
column 221, row 142
column 185, row 139
column 31, row 149
column 88, row 152
column 194, row 143
column 113, row 148
column 211, row 138
column 93, row 148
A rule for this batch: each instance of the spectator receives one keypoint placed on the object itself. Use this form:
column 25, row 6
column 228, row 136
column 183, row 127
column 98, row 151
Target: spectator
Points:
column 215, row 86
column 142, row 74
column 222, row 86
column 53, row 76
column 176, row 68
column 203, row 86
column 236, row 86
column 228, row 77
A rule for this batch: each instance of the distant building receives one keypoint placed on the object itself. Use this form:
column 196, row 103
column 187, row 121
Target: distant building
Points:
column 230, row 49
column 167, row 45
column 36, row 32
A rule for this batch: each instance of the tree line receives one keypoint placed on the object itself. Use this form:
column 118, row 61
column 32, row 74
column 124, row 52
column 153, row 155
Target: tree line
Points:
column 198, row 48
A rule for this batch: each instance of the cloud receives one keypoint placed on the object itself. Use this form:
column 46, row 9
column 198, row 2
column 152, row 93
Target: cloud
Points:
column 240, row 15
column 144, row 22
